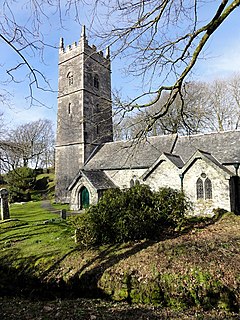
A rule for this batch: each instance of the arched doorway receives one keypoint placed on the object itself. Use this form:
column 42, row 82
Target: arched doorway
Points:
column 83, row 198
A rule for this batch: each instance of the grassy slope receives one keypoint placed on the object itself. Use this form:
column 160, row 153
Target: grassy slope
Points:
column 34, row 241
column 37, row 248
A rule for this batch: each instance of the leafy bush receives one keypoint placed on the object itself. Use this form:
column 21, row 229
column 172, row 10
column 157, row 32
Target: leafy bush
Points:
column 20, row 181
column 133, row 214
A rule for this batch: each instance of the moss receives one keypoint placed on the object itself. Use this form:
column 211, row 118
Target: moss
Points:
column 196, row 288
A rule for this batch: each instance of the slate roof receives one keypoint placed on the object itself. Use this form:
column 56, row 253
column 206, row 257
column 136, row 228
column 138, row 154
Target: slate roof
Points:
column 97, row 178
column 207, row 156
column 224, row 146
column 175, row 159
column 131, row 154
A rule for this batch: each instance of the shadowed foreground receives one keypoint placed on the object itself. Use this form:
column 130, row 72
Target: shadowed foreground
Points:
column 82, row 309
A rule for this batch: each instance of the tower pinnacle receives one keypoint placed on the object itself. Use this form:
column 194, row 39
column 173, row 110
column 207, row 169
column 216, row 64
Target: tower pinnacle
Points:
column 83, row 33
column 108, row 52
column 61, row 44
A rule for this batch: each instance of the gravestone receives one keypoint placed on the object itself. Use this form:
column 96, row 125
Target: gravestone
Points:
column 63, row 214
column 4, row 204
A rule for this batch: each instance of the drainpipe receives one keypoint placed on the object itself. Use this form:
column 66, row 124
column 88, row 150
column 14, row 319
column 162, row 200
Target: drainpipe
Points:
column 236, row 166
column 181, row 176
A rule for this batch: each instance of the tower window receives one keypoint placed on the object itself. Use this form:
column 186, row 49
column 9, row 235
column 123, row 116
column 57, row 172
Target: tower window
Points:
column 69, row 108
column 96, row 82
column 70, row 78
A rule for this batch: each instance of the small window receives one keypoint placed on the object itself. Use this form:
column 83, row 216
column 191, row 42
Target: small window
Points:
column 199, row 186
column 97, row 129
column 96, row 82
column 131, row 183
column 134, row 182
column 208, row 189
column 70, row 78
column 69, row 108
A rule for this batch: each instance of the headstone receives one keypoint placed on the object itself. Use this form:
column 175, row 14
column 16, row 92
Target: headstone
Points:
column 4, row 204
column 63, row 214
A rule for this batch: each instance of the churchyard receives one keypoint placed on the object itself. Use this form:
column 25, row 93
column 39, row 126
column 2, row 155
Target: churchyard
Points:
column 192, row 275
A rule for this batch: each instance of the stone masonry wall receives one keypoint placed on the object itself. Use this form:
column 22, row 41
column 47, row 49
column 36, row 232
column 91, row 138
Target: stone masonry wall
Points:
column 84, row 110
column 165, row 175
column 122, row 177
column 220, row 187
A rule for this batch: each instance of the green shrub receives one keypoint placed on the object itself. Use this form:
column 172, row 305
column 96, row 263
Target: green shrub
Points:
column 133, row 214
column 20, row 182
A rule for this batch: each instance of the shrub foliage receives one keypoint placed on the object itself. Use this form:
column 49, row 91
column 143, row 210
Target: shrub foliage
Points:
column 20, row 181
column 133, row 214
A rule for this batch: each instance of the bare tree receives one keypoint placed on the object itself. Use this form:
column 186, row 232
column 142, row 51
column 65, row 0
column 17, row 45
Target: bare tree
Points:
column 194, row 118
column 208, row 106
column 29, row 144
column 23, row 37
column 223, row 104
column 234, row 87
column 162, row 40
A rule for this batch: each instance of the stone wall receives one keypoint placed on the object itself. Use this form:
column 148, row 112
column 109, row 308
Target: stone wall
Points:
column 165, row 175
column 123, row 177
column 84, row 110
column 67, row 164
column 220, row 187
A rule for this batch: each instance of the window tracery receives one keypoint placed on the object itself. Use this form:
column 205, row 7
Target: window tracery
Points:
column 208, row 189
column 199, row 186
column 204, row 189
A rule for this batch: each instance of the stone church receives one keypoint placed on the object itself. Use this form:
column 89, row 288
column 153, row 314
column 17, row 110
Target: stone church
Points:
column 88, row 161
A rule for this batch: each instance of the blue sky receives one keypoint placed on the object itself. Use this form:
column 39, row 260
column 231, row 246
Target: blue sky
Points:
column 221, row 59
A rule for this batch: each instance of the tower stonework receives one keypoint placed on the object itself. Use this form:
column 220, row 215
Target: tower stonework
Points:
column 84, row 118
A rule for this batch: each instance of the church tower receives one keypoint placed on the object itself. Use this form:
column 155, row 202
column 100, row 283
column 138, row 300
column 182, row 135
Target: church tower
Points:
column 84, row 118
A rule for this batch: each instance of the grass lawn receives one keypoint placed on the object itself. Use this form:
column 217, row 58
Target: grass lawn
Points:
column 34, row 238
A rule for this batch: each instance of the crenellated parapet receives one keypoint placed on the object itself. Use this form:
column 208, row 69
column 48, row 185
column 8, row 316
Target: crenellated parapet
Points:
column 81, row 46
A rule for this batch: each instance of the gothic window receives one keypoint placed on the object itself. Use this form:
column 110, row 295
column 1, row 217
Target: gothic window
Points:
column 137, row 182
column 134, row 182
column 96, row 81
column 208, row 189
column 131, row 183
column 199, row 186
column 70, row 78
